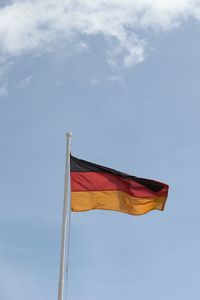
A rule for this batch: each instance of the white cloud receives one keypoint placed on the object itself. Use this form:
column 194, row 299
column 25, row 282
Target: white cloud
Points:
column 4, row 68
column 94, row 81
column 27, row 25
column 3, row 89
column 116, row 78
column 24, row 82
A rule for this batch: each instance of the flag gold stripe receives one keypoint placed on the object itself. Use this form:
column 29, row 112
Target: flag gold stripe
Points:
column 115, row 200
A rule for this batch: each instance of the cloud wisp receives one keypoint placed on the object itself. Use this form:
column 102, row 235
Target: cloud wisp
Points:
column 34, row 25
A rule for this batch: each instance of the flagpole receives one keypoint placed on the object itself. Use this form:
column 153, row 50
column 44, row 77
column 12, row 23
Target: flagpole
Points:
column 64, row 252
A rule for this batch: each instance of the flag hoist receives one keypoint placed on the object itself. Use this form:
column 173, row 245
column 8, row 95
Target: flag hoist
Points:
column 98, row 187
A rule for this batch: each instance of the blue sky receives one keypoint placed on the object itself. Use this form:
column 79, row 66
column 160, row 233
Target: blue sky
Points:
column 129, row 92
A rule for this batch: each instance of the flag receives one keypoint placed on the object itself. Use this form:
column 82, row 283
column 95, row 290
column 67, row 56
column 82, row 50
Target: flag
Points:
column 98, row 187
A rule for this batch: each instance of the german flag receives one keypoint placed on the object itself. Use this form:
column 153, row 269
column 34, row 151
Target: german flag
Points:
column 97, row 187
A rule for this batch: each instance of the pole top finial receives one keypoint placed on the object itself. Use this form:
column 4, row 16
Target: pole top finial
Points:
column 69, row 134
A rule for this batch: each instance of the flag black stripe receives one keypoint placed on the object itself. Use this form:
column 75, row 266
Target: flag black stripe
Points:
column 80, row 165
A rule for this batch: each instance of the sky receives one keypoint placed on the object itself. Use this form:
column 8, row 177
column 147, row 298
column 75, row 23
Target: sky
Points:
column 123, row 76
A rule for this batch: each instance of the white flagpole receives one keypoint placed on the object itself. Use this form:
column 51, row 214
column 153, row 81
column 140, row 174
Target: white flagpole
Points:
column 64, row 252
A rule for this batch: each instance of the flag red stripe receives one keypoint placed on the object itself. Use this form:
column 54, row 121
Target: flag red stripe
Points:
column 94, row 181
